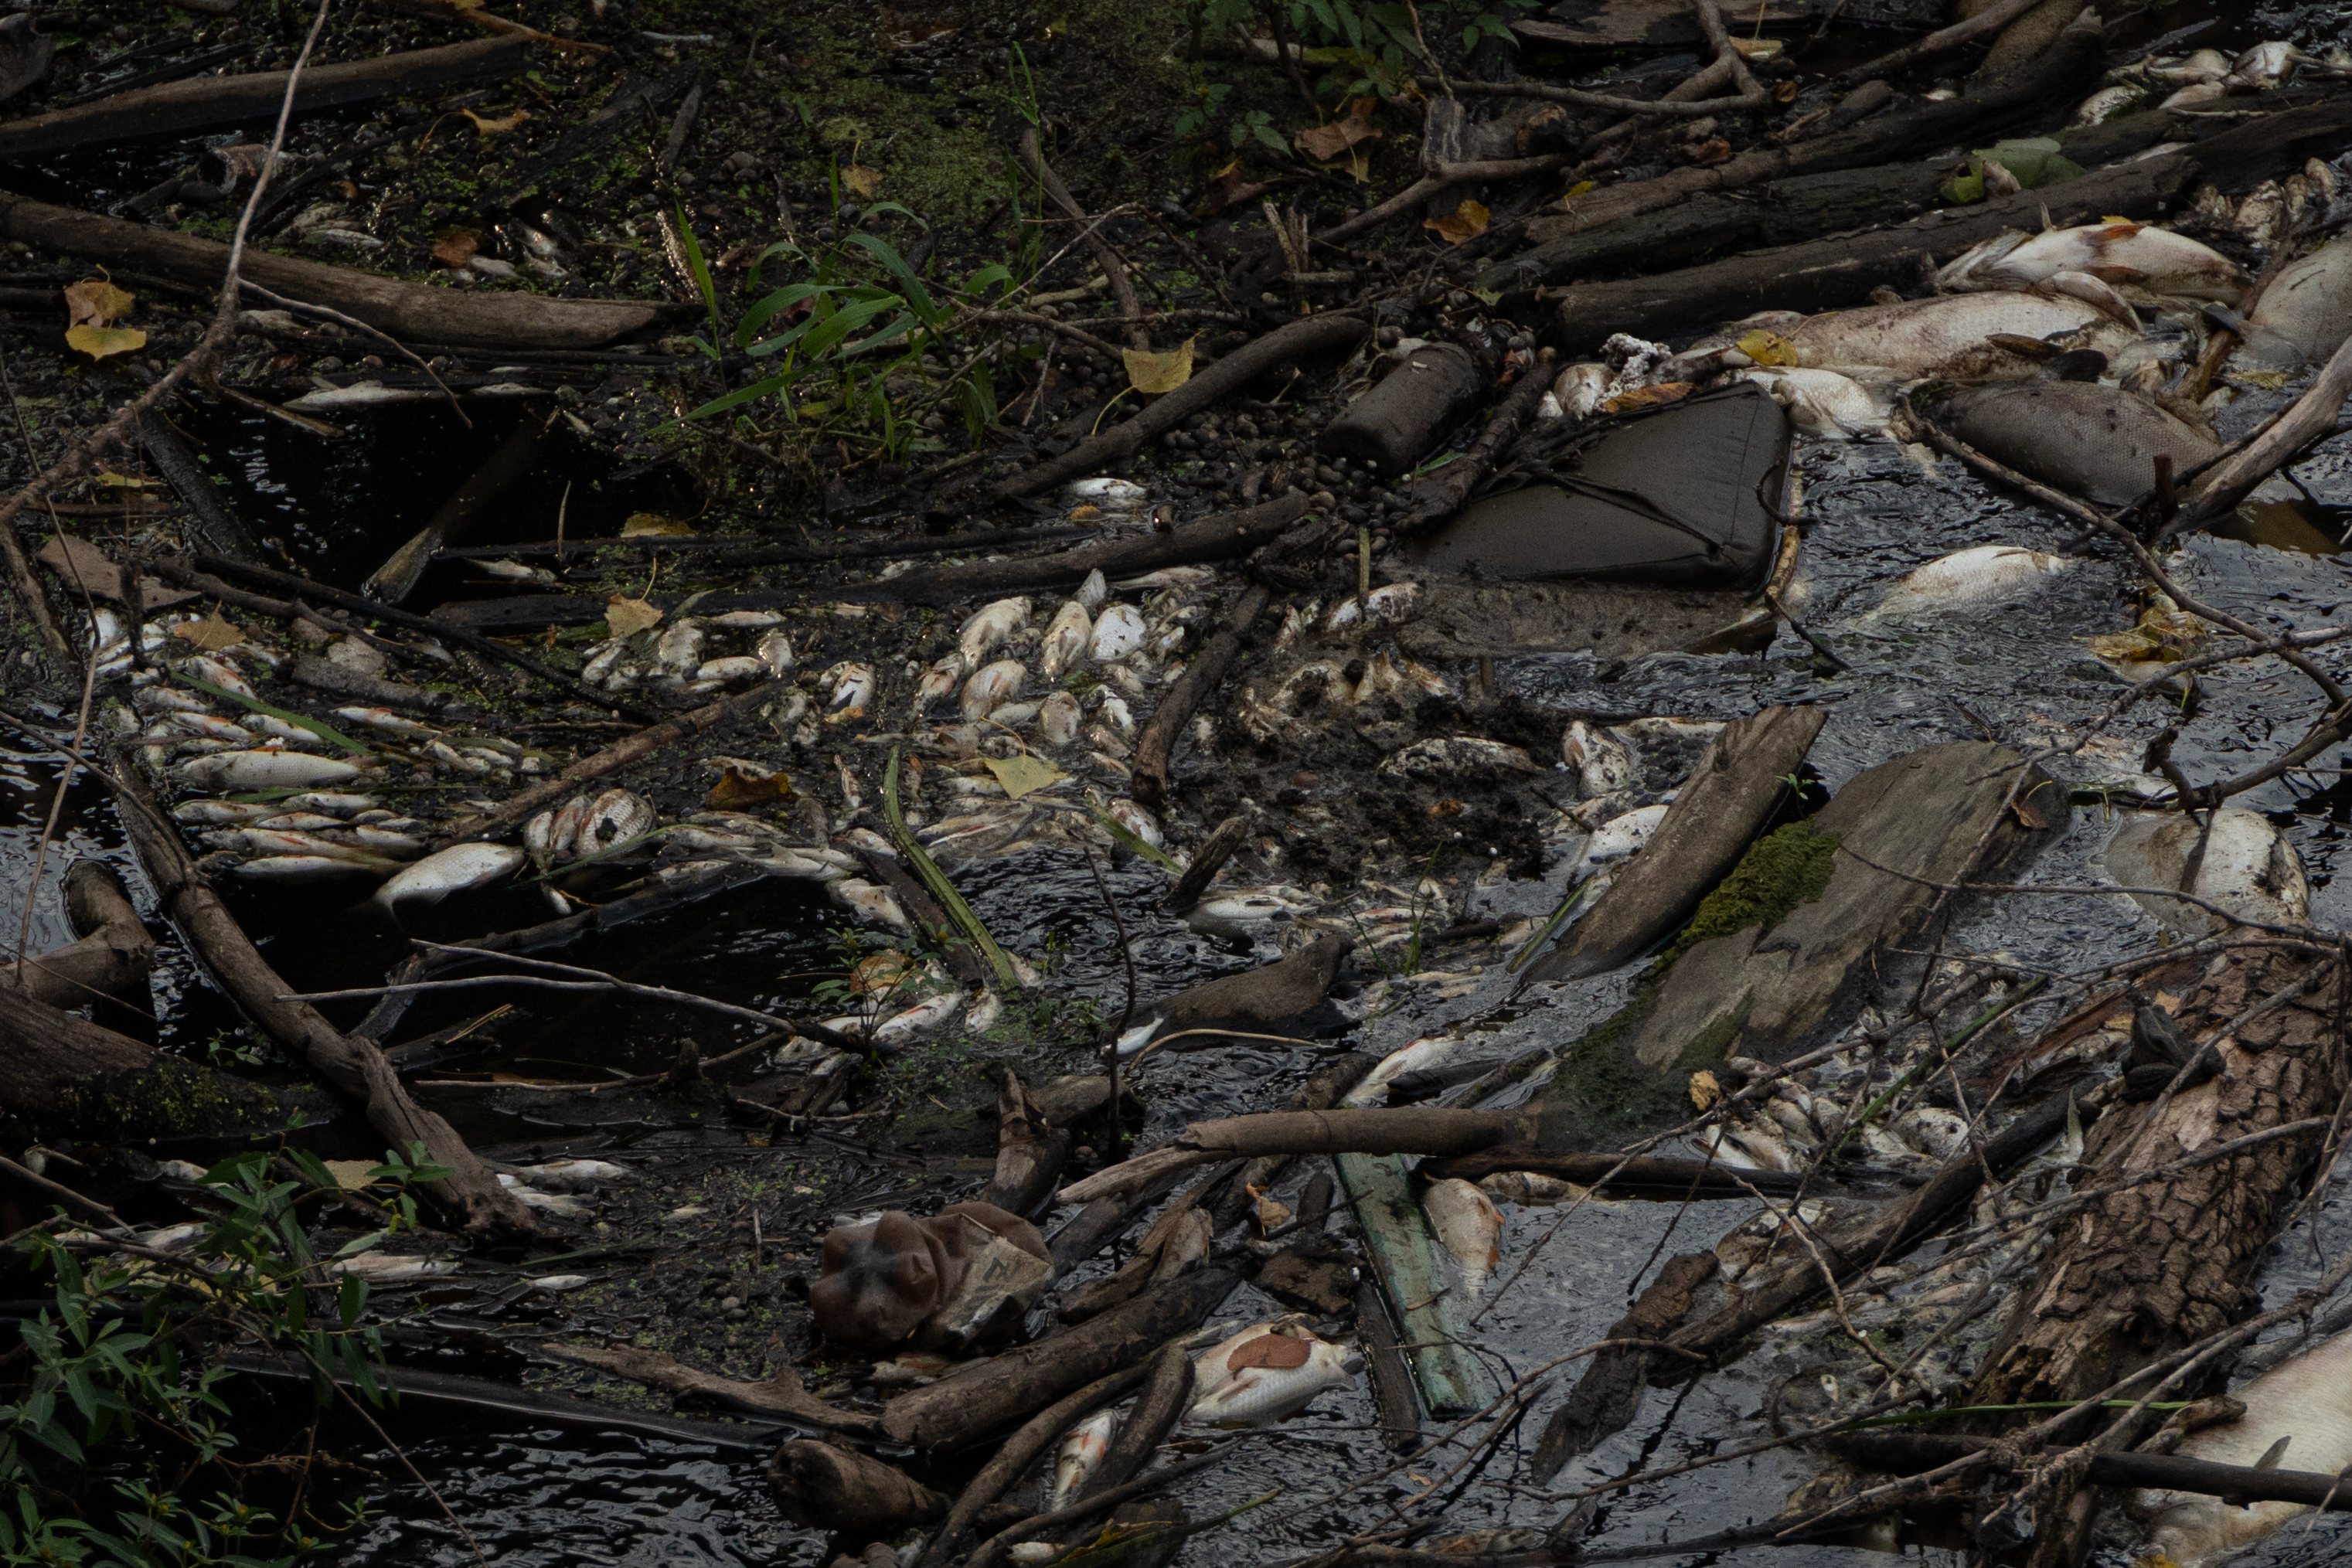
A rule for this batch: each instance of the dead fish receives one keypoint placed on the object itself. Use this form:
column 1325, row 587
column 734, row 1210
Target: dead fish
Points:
column 217, row 673
column 926, row 1014
column 1580, row 389
column 558, row 1283
column 2152, row 259
column 910, row 1369
column 1277, row 1376
column 2305, row 313
column 1601, row 762
column 985, row 1010
column 561, row 1205
column 1623, row 836
column 2305, row 1403
column 219, row 813
column 807, row 865
column 1430, row 1051
column 211, row 726
column 679, row 647
column 1171, row 576
column 2106, row 103
column 1080, row 1452
column 1110, row 494
column 939, row 682
column 167, row 699
column 1068, row 636
column 386, row 1268
column 280, row 841
column 601, row 660
column 1824, row 404
column 2263, row 65
column 1948, row 335
column 1119, row 630
column 1093, row 591
column 747, row 620
column 298, row 869
column 573, row 1175
column 2096, row 442
column 1058, row 718
column 1531, row 1189
column 2247, row 867
column 461, row 868
column 775, row 652
column 359, row 394
column 989, row 626
column 1212, row 1368
column 992, row 687
column 613, row 818
column 515, row 571
column 384, row 719
column 740, row 667
column 1458, row 756
column 1114, row 711
column 225, row 770
column 1465, row 1224
column 849, row 688
column 878, row 905
column 1983, row 575
column 1939, row 1133
column 1137, row 820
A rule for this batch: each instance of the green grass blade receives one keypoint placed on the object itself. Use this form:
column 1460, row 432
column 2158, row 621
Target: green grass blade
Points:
column 936, row 880
column 327, row 733
column 1125, row 835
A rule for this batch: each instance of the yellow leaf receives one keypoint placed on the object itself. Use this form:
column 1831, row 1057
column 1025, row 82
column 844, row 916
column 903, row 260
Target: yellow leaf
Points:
column 122, row 481
column 212, row 633
column 1703, row 1090
column 740, row 791
column 499, row 126
column 1154, row 373
column 863, row 183
column 465, row 5
column 95, row 302
column 97, row 342
column 883, row 971
column 1023, row 775
column 627, row 617
column 1468, row 221
column 1766, row 349
column 349, row 1174
column 1577, row 189
column 641, row 524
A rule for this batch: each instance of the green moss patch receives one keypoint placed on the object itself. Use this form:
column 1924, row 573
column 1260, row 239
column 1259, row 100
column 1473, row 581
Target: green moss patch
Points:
column 1784, row 869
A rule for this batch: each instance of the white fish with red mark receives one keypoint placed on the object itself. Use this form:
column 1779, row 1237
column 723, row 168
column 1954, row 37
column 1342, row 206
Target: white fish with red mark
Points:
column 217, row 673
column 1080, row 1452
column 991, row 687
column 1119, row 631
column 225, row 770
column 989, row 626
column 925, row 1015
column 1260, row 1396
column 1067, row 637
column 1468, row 1226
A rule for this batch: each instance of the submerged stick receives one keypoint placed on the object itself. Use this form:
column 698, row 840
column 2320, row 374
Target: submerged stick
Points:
column 1157, row 744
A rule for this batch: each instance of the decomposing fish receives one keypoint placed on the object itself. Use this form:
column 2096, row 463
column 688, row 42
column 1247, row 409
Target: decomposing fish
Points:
column 992, row 687
column 1825, row 404
column 293, row 869
column 461, row 868
column 1272, row 1377
column 1457, row 756
column 2243, row 863
column 850, row 687
column 1946, row 335
column 613, row 818
column 219, row 813
column 573, row 1175
column 1110, row 494
column 1530, row 1190
column 1058, row 718
column 2305, row 313
column 1068, row 638
column 384, row 1268
column 2097, row 441
column 1581, row 388
column 1985, row 574
column 989, row 626
column 1623, row 835
column 1603, row 763
column 2305, row 1403
column 1080, row 1452
column 775, row 652
column 515, row 571
column 211, row 726
column 739, row 667
column 939, row 681
column 226, row 770
column 2148, row 258
column 1433, row 1050
column 926, row 1014
column 1466, row 1225
column 384, row 719
column 1119, row 630
column 869, row 902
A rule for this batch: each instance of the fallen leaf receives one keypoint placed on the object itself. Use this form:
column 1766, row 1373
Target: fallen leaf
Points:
column 82, row 566
column 456, row 247
column 1230, row 188
column 1714, row 150
column 97, row 342
column 1703, row 1089
column 1023, row 775
column 214, row 633
column 1648, row 397
column 1085, row 514
column 740, row 791
column 1758, row 48
column 641, row 524
column 880, row 972
column 863, row 183
column 627, row 617
column 1468, row 221
column 1275, row 1349
column 500, row 126
column 95, row 302
column 349, row 1174
column 123, row 481
column 1153, row 373
column 1330, row 144
column 1766, row 349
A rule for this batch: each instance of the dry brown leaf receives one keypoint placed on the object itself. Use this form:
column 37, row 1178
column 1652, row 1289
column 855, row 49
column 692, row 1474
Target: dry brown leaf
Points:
column 95, row 302
column 627, row 617
column 863, row 183
column 1468, row 221
column 1275, row 1349
column 214, row 633
column 499, row 126
column 1648, row 397
column 1229, row 188
column 740, row 791
column 1154, row 373
column 1330, row 144
column 1703, row 1089
column 456, row 247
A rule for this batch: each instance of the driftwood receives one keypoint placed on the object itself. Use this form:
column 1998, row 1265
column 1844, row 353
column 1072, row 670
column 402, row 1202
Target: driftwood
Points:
column 825, row 1488
column 1395, row 1130
column 1324, row 1088
column 1609, row 1394
column 1029, row 1149
column 1013, row 1383
column 66, row 1076
column 1208, row 859
column 1310, row 337
column 1167, row 1393
column 352, row 1066
column 1156, row 745
column 407, row 310
column 111, row 958
column 1393, row 1400
column 209, row 523
column 1616, row 1176
column 212, row 103
column 783, row 1397
column 1014, row 1456
column 1405, row 413
column 1735, row 788
column 2220, row 488
column 1914, row 1453
column 341, row 681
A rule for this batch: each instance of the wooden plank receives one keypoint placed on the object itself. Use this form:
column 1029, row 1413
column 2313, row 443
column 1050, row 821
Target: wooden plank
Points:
column 1421, row 1298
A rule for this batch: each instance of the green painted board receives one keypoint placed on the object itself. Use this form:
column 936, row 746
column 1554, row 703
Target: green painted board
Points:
column 1413, row 1277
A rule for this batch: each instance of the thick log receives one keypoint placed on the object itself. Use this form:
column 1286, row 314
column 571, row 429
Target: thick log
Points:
column 1407, row 412
column 340, row 681
column 1324, row 1088
column 1208, row 860
column 1608, row 1397
column 2156, row 1266
column 1309, row 338
column 1738, row 784
column 1156, row 745
column 1029, row 1149
column 64, row 1076
column 1441, row 494
column 1013, row 1383
column 112, row 957
column 840, row 1489
column 415, row 311
column 1014, row 1454
column 212, row 103
column 1167, row 1395
column 783, row 1397
column 352, row 1066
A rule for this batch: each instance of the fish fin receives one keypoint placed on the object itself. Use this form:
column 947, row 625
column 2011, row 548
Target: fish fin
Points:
column 2274, row 1454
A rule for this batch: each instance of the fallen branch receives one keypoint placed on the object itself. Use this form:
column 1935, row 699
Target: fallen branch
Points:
column 783, row 1394
column 1157, row 744
column 1121, row 288
column 1443, row 178
column 1902, row 1453
column 1396, row 1130
column 2220, row 488
column 1989, row 20
column 1014, row 1454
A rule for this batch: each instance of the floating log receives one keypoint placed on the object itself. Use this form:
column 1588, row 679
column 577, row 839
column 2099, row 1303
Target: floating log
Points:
column 1915, row 1453
column 1157, row 744
column 112, row 957
column 1029, row 1150
column 416, row 311
column 781, row 1396
column 1608, row 1397
column 63, row 1076
column 840, row 1489
column 213, row 103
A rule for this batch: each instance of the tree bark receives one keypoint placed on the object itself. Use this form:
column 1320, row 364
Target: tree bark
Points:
column 64, row 1076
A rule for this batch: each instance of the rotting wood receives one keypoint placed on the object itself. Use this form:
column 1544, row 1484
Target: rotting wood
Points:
column 407, row 310
column 1608, row 1397
column 212, row 103
column 1394, row 1402
column 1029, row 1152
column 840, row 1489
column 1015, row 1454
column 1157, row 744
column 351, row 1066
column 71, row 1078
column 1623, row 1175
column 1441, row 494
column 396, row 579
column 342, row 681
column 783, row 1394
column 1013, row 1383
column 1395, row 1130
column 209, row 524
column 1208, row 859
column 111, row 955
column 1165, row 1395
column 1736, row 784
